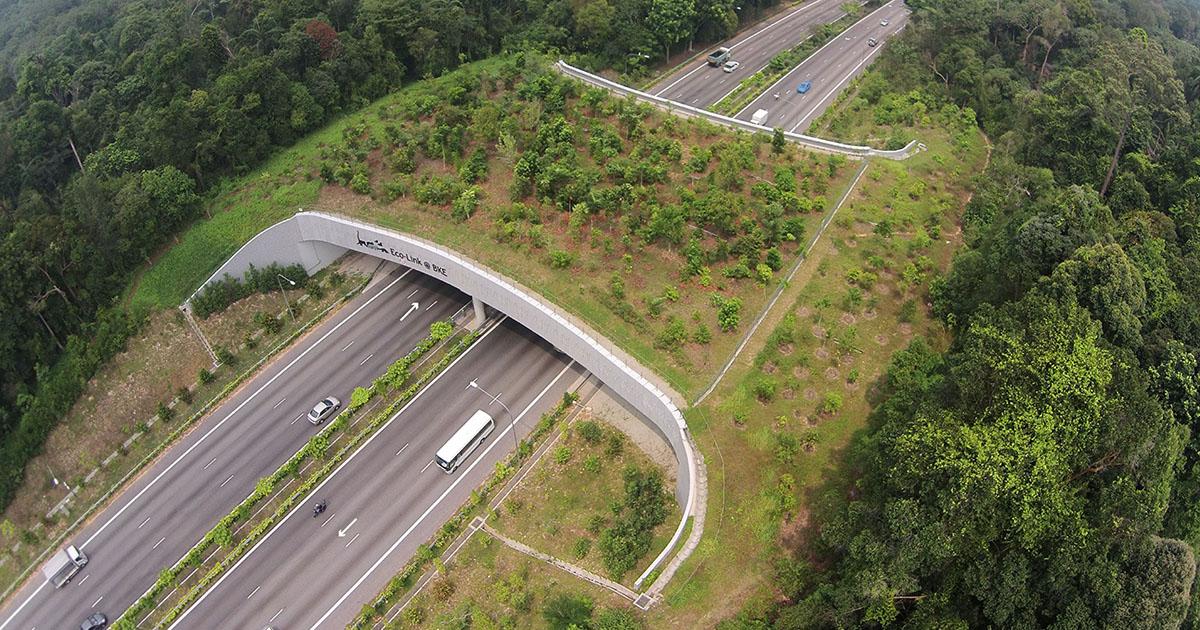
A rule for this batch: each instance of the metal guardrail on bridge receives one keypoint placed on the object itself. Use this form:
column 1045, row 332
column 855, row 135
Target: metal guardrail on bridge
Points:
column 676, row 107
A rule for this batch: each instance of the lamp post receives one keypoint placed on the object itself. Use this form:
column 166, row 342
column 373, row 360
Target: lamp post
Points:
column 496, row 399
column 56, row 482
column 279, row 276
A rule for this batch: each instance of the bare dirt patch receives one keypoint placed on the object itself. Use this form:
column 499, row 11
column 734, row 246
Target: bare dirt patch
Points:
column 803, row 312
column 848, row 319
column 870, row 314
column 819, row 331
column 832, row 374
column 770, row 368
column 788, row 393
column 810, row 393
column 881, row 339
column 786, row 349
column 801, row 372
column 905, row 329
column 821, row 352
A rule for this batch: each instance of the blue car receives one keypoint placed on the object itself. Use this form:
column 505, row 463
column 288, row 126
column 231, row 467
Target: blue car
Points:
column 803, row 87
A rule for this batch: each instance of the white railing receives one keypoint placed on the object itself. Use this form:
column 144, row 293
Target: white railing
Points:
column 820, row 144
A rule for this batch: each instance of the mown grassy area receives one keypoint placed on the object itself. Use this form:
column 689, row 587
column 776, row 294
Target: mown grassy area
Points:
column 775, row 434
column 642, row 224
column 564, row 504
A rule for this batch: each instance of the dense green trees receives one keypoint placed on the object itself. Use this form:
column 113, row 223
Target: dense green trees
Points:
column 1043, row 471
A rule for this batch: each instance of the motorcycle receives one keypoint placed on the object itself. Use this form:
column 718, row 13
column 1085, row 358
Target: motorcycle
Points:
column 318, row 509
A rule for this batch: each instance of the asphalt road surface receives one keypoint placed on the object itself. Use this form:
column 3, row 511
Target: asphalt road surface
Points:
column 701, row 85
column 829, row 69
column 389, row 496
column 161, row 515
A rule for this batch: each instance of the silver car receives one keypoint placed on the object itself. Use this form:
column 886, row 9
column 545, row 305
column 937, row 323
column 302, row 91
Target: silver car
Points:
column 324, row 409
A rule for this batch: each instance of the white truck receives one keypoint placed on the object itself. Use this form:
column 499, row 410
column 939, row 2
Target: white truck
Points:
column 759, row 117
column 63, row 566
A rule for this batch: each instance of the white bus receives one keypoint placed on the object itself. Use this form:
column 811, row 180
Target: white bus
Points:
column 464, row 441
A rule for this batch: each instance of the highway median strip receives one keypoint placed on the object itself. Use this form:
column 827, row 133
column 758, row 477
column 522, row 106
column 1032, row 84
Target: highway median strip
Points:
column 443, row 343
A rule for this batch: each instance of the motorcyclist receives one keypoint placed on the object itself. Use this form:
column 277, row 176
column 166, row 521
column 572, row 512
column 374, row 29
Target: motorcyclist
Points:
column 318, row 508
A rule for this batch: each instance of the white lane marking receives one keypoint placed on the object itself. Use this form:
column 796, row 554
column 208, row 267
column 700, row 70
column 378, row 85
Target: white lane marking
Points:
column 380, row 431
column 225, row 482
column 352, row 540
column 427, row 466
column 414, row 292
column 704, row 62
column 785, row 77
column 328, row 519
column 431, row 305
column 279, row 403
column 347, row 346
column 84, row 579
column 368, row 358
column 144, row 522
column 97, row 602
column 837, row 87
column 210, row 463
column 160, row 541
column 275, row 615
column 253, row 592
column 218, row 425
column 461, row 476
column 294, row 420
column 402, row 449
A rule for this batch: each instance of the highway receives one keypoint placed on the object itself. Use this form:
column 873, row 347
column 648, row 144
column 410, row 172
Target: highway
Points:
column 389, row 496
column 829, row 69
column 177, row 499
column 701, row 85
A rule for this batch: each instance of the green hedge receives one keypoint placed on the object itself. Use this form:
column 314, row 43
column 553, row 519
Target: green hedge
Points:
column 218, row 295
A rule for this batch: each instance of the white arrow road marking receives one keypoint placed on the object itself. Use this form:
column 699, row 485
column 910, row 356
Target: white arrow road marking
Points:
column 342, row 532
column 415, row 306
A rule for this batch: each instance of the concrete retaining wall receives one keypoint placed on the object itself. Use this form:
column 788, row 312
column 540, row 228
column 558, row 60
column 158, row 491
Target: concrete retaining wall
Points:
column 315, row 239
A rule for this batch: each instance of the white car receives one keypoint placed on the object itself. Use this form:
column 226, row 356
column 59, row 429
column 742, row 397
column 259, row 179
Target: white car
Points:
column 731, row 65
column 321, row 412
column 884, row 22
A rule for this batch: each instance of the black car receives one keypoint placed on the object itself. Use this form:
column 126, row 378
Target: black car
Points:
column 97, row 621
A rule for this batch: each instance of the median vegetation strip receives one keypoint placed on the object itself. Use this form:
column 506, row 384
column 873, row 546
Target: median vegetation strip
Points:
column 131, row 410
column 756, row 84
column 236, row 533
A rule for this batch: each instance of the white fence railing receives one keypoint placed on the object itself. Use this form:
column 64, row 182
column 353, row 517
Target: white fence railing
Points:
column 820, row 144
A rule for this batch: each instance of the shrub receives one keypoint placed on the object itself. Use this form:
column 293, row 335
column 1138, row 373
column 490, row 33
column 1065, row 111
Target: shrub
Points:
column 590, row 431
column 592, row 464
column 314, row 290
column 786, row 447
column 164, row 413
column 567, row 612
column 268, row 322
column 562, row 455
column 441, row 588
column 908, row 311
column 359, row 397
column 581, row 548
column 643, row 509
column 616, row 286
column 702, row 335
column 832, row 403
column 439, row 331
column 617, row 619
column 673, row 336
column 184, row 395
column 205, row 375
column 560, row 259
column 465, row 204
column 764, row 390
column 615, row 445
column 360, row 184
column 224, row 356
column 729, row 312
column 763, row 273
column 219, row 294
column 596, row 524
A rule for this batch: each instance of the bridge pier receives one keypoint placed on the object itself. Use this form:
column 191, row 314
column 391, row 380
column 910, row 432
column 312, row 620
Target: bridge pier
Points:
column 480, row 315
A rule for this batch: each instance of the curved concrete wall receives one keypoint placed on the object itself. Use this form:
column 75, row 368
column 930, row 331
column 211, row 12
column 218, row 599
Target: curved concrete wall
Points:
column 315, row 239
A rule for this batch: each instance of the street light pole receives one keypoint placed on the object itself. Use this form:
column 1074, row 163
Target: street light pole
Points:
column 56, row 482
column 285, row 300
column 496, row 399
